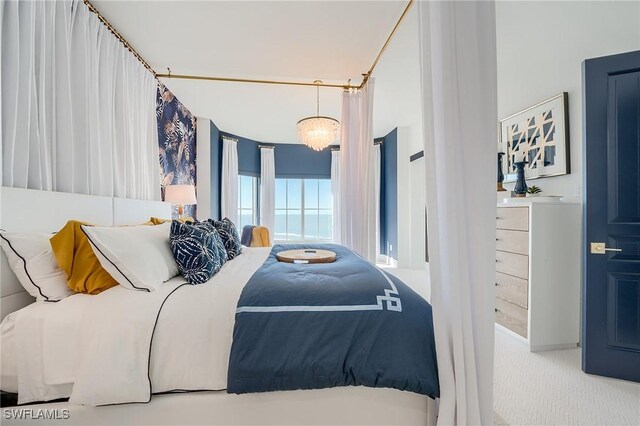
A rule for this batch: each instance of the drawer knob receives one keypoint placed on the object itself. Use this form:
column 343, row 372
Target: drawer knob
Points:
column 496, row 309
column 496, row 284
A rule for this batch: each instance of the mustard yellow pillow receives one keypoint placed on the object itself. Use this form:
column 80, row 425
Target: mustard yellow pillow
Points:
column 158, row 221
column 260, row 237
column 75, row 257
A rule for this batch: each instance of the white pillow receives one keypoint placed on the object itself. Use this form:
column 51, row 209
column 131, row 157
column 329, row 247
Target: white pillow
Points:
column 137, row 257
column 31, row 258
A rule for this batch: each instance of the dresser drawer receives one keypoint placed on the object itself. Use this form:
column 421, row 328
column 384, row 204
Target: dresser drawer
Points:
column 514, row 218
column 512, row 241
column 511, row 316
column 512, row 289
column 512, row 264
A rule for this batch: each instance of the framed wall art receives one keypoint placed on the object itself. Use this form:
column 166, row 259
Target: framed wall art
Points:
column 538, row 135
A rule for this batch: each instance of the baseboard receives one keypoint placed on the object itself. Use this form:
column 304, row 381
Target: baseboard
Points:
column 554, row 347
column 535, row 348
column 383, row 259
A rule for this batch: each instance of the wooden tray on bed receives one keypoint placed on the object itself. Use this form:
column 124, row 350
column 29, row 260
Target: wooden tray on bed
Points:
column 306, row 256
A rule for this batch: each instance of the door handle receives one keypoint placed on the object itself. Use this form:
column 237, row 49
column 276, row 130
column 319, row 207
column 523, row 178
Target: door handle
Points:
column 599, row 248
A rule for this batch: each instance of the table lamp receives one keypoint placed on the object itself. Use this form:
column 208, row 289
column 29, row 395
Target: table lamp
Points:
column 180, row 195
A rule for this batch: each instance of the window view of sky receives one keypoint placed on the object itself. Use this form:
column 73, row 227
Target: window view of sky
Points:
column 247, row 201
column 303, row 208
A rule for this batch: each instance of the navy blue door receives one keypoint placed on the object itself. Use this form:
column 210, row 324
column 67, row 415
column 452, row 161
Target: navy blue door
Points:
column 611, row 269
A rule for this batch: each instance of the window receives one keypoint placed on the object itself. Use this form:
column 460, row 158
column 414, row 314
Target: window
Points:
column 247, row 201
column 303, row 210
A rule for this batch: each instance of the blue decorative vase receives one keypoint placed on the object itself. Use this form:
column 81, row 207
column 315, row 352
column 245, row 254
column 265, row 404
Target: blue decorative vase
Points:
column 499, row 186
column 521, row 185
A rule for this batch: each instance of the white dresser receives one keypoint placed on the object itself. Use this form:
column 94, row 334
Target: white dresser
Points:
column 538, row 272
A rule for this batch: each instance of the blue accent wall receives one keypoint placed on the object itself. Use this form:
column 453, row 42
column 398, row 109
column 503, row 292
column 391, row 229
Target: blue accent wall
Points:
column 292, row 160
column 300, row 161
column 389, row 196
column 382, row 241
column 248, row 154
column 216, row 170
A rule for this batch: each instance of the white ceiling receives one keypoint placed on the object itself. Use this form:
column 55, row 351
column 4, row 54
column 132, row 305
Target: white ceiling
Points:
column 293, row 40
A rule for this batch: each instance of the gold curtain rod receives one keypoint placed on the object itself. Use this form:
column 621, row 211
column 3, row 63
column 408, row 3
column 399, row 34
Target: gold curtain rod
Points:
column 266, row 147
column 229, row 138
column 384, row 46
column 348, row 86
column 245, row 80
column 120, row 38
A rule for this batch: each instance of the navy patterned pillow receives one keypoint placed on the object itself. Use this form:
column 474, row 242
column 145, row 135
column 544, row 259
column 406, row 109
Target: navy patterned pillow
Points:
column 229, row 235
column 196, row 251
column 208, row 227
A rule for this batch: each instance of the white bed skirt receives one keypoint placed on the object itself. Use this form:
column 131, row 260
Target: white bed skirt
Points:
column 337, row 406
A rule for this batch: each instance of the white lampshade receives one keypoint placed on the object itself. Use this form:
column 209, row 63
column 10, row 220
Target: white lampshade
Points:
column 180, row 195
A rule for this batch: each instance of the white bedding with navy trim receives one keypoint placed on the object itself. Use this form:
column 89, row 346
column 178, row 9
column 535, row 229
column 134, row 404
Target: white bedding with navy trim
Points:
column 123, row 346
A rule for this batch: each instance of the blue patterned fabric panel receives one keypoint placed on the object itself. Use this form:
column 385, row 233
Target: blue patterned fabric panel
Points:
column 196, row 251
column 177, row 140
column 229, row 234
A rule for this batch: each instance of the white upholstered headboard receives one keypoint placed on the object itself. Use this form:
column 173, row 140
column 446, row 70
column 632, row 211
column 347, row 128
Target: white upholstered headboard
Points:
column 28, row 210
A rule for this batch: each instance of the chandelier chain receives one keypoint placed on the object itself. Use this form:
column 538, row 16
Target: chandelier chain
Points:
column 318, row 132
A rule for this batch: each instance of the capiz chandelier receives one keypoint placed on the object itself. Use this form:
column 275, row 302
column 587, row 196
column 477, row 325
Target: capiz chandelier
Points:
column 318, row 132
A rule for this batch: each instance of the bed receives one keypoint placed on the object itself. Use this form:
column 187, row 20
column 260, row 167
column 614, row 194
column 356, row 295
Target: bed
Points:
column 184, row 354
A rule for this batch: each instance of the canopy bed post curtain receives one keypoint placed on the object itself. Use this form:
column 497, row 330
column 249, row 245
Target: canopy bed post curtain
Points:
column 335, row 193
column 459, row 99
column 357, row 198
column 229, row 195
column 376, row 182
column 268, row 190
column 78, row 109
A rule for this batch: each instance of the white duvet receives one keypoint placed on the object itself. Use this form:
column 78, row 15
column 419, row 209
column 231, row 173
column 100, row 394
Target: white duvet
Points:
column 103, row 349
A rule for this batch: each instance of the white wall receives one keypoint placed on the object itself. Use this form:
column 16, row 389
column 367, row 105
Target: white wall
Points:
column 397, row 89
column 397, row 103
column 541, row 47
column 404, row 199
column 418, row 205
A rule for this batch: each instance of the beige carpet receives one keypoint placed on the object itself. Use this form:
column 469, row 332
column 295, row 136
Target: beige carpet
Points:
column 549, row 388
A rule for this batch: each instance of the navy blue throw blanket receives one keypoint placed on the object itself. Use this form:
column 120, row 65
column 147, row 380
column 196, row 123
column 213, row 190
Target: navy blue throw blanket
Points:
column 346, row 323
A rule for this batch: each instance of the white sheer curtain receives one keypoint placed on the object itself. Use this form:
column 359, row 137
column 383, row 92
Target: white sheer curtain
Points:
column 78, row 110
column 458, row 65
column 357, row 198
column 229, row 195
column 335, row 193
column 377, row 164
column 268, row 190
